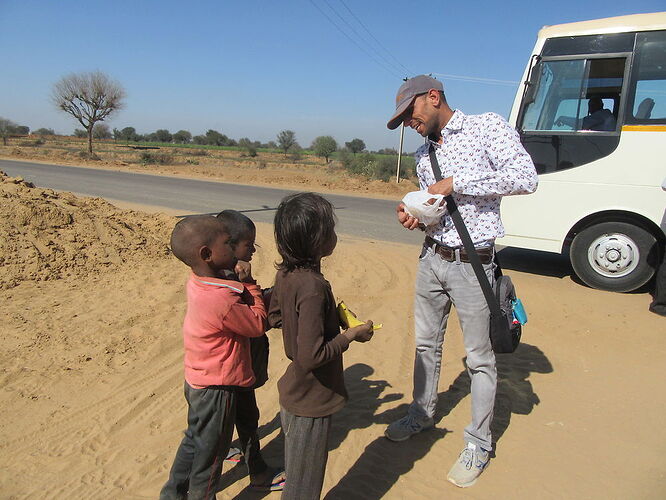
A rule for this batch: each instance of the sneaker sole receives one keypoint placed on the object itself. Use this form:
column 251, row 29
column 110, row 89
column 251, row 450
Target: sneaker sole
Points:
column 465, row 485
column 399, row 440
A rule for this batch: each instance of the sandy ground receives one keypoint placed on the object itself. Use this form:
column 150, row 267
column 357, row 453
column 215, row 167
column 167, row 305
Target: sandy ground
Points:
column 91, row 377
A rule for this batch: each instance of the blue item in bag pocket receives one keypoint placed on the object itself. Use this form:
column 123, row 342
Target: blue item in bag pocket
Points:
column 519, row 311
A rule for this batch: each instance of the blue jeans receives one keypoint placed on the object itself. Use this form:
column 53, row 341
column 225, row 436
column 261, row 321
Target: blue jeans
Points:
column 439, row 284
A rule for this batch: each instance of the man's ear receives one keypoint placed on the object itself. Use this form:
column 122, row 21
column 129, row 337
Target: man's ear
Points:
column 434, row 97
column 205, row 253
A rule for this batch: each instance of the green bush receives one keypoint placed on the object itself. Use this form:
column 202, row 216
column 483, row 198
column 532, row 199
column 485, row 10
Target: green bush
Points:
column 32, row 144
column 44, row 131
column 295, row 152
column 148, row 158
column 85, row 155
column 374, row 166
column 386, row 167
column 346, row 159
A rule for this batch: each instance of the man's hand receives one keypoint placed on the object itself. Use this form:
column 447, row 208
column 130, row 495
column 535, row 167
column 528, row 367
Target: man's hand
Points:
column 244, row 271
column 405, row 219
column 360, row 333
column 444, row 187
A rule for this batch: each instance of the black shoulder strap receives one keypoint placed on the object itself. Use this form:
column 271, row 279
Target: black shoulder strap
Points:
column 466, row 239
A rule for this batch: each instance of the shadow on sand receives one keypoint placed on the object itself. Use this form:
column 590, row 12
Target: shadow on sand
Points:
column 536, row 262
column 365, row 397
column 383, row 462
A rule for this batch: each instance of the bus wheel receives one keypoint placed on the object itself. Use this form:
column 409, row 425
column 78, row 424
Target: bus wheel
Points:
column 613, row 256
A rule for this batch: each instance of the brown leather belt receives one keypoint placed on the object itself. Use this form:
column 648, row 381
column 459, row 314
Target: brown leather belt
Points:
column 449, row 254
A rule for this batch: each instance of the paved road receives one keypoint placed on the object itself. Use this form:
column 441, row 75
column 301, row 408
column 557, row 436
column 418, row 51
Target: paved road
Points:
column 365, row 217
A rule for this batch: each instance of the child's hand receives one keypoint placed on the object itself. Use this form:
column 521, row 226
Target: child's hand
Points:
column 244, row 271
column 360, row 333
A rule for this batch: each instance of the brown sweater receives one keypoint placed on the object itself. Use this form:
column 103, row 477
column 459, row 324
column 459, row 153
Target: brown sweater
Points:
column 303, row 306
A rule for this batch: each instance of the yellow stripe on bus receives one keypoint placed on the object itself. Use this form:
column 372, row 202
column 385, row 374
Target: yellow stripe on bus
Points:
column 644, row 128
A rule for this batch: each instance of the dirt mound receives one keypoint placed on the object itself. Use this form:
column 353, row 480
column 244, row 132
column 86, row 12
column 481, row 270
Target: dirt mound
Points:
column 46, row 235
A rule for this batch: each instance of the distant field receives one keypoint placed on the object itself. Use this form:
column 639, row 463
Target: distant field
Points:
column 364, row 172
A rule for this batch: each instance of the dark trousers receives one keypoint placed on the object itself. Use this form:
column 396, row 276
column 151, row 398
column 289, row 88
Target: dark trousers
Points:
column 306, row 453
column 247, row 423
column 659, row 303
column 196, row 470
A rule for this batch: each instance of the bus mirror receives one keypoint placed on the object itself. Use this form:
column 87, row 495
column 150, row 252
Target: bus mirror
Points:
column 532, row 84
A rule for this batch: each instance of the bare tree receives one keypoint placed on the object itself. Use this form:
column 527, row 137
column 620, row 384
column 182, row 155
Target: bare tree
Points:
column 88, row 97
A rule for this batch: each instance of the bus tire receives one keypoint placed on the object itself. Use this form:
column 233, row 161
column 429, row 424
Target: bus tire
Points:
column 613, row 256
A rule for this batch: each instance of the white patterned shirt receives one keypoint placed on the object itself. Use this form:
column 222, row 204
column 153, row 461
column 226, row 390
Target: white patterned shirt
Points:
column 484, row 156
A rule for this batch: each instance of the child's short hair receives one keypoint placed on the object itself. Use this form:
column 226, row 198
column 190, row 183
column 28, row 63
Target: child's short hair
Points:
column 239, row 225
column 304, row 224
column 193, row 232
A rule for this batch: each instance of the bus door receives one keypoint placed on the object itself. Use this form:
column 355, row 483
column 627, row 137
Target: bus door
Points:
column 572, row 113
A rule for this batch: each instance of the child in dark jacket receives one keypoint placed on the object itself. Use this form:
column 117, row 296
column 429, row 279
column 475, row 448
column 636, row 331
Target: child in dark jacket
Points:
column 243, row 234
column 221, row 316
column 302, row 304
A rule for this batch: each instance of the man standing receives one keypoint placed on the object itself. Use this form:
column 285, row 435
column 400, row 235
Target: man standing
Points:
column 481, row 160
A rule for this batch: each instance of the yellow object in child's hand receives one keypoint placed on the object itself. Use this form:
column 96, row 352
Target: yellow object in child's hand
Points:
column 349, row 319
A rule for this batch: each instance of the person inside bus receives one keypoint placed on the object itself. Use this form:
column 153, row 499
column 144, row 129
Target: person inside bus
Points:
column 598, row 118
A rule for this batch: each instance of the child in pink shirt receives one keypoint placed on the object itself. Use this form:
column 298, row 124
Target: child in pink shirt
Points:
column 221, row 316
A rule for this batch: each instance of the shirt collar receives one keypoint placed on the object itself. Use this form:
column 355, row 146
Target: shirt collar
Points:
column 454, row 124
column 234, row 285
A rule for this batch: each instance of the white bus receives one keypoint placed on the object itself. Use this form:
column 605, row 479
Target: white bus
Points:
column 600, row 174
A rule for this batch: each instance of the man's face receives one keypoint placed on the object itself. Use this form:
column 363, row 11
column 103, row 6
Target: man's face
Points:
column 421, row 116
column 593, row 106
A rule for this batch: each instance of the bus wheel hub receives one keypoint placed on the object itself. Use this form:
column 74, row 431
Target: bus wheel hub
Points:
column 613, row 255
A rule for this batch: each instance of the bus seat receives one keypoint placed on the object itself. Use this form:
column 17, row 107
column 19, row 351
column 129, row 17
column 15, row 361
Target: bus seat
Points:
column 645, row 109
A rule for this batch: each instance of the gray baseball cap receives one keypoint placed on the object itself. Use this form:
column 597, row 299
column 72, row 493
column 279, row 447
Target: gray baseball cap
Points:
column 408, row 91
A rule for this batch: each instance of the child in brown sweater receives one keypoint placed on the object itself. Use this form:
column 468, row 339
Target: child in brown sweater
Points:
column 312, row 388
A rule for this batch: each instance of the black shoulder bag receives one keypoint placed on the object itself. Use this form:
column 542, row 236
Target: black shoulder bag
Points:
column 504, row 331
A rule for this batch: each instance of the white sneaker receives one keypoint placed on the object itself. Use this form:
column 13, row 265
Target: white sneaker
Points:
column 469, row 466
column 407, row 426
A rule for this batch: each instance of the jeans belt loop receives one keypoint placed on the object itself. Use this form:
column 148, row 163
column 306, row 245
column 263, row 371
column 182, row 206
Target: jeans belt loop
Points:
column 457, row 254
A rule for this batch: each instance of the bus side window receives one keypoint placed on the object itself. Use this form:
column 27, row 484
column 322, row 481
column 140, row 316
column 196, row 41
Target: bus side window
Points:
column 647, row 93
column 577, row 95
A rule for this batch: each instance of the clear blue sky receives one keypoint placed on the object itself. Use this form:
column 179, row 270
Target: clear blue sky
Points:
column 252, row 68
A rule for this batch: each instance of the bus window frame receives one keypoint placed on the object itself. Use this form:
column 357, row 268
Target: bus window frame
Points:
column 627, row 76
column 631, row 91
